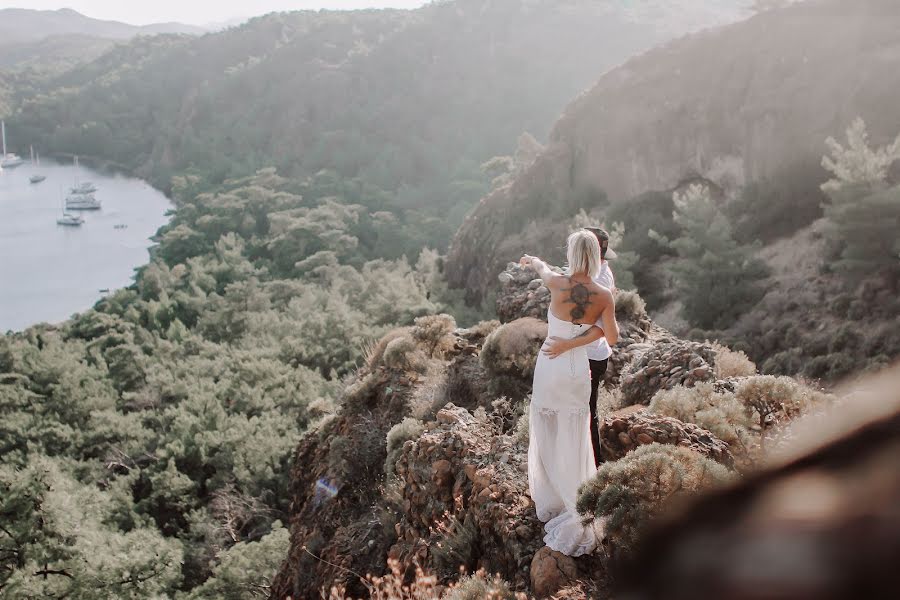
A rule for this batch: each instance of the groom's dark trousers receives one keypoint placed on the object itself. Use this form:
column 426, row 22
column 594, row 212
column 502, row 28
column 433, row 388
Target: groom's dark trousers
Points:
column 598, row 370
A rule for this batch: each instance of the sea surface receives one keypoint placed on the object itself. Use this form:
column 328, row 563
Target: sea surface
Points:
column 49, row 272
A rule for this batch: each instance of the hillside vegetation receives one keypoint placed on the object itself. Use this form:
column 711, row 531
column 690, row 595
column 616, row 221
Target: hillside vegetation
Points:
column 411, row 102
column 743, row 112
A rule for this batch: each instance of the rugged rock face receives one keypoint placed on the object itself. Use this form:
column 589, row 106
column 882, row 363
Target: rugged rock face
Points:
column 662, row 367
column 782, row 82
column 622, row 432
column 458, row 490
column 464, row 492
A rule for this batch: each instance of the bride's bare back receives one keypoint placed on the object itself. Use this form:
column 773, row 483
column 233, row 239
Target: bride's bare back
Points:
column 578, row 299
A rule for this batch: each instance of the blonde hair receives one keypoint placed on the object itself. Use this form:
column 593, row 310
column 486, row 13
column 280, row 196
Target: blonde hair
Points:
column 583, row 253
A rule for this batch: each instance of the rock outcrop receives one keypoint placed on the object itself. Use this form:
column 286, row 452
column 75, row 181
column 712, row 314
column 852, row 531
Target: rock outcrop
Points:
column 784, row 81
column 464, row 492
column 666, row 365
column 624, row 431
column 457, row 493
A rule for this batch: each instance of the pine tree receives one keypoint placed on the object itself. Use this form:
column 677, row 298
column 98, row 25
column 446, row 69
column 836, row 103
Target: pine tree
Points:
column 863, row 210
column 717, row 278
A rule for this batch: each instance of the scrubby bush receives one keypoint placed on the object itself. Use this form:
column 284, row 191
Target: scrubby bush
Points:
column 785, row 362
column 718, row 412
column 772, row 399
column 432, row 332
column 629, row 493
column 731, row 363
column 512, row 349
column 375, row 354
column 482, row 329
column 404, row 431
column 402, row 353
column 630, row 306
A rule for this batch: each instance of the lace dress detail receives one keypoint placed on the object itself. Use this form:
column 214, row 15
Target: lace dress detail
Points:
column 560, row 456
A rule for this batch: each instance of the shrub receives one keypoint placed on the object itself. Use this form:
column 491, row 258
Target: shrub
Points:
column 402, row 353
column 630, row 306
column 376, row 353
column 629, row 493
column 784, row 363
column 404, row 431
column 432, row 332
column 483, row 329
column 719, row 413
column 776, row 398
column 512, row 349
column 731, row 363
column 845, row 339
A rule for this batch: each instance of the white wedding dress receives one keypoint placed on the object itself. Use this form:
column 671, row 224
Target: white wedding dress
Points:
column 560, row 456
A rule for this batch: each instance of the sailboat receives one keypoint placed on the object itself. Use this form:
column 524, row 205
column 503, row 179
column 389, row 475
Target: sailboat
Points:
column 70, row 220
column 83, row 188
column 36, row 160
column 8, row 160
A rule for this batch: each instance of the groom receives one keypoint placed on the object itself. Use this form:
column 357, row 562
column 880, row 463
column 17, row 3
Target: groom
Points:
column 599, row 353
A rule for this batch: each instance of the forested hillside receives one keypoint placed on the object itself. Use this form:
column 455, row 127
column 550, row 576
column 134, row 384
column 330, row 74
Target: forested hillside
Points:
column 409, row 101
column 745, row 111
column 274, row 384
column 146, row 442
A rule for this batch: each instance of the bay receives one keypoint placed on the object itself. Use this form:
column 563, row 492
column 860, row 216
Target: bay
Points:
column 48, row 271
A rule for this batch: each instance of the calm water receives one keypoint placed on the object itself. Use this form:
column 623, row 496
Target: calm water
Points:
column 47, row 271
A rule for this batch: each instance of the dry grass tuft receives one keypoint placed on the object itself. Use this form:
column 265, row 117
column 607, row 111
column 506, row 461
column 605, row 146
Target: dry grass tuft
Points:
column 732, row 363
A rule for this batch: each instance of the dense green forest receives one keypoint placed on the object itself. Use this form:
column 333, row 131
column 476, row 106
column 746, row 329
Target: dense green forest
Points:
column 150, row 435
column 410, row 102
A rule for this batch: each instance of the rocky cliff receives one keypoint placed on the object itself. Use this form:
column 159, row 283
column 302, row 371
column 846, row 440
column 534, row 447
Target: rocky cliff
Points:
column 424, row 464
column 744, row 103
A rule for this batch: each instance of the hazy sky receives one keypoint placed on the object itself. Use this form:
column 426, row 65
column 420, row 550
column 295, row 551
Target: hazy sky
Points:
column 198, row 12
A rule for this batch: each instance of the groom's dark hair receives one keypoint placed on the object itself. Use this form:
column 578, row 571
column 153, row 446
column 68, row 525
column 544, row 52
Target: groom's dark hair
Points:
column 602, row 237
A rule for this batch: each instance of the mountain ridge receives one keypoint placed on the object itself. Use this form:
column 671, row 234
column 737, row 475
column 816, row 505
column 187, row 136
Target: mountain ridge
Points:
column 22, row 25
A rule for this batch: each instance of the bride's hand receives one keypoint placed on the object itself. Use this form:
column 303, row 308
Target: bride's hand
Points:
column 555, row 346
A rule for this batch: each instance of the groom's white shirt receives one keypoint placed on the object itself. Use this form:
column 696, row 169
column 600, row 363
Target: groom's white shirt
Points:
column 601, row 350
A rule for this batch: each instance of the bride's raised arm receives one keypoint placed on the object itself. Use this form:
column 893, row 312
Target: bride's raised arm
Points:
column 540, row 267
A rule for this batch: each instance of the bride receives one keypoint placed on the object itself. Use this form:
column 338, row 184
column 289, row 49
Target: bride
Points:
column 560, row 455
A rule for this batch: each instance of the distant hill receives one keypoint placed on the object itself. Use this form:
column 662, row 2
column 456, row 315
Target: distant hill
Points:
column 411, row 102
column 23, row 25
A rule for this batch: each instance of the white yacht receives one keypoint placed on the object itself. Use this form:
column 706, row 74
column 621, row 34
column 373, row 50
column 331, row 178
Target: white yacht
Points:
column 82, row 202
column 84, row 188
column 37, row 178
column 70, row 220
column 8, row 160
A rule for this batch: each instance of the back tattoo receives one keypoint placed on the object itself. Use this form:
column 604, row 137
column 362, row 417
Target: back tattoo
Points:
column 580, row 296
